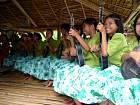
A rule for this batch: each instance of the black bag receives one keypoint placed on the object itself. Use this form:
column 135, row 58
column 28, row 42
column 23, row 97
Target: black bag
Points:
column 130, row 69
column 79, row 54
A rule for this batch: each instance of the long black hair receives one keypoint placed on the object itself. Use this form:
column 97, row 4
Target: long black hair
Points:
column 135, row 23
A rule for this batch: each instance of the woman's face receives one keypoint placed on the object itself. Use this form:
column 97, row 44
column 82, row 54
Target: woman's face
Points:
column 110, row 26
column 138, row 27
column 48, row 34
column 88, row 29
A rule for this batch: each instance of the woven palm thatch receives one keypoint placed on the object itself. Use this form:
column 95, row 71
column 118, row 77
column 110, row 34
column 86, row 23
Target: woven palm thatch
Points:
column 42, row 14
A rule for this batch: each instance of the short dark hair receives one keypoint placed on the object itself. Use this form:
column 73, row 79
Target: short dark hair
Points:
column 90, row 21
column 118, row 22
column 135, row 22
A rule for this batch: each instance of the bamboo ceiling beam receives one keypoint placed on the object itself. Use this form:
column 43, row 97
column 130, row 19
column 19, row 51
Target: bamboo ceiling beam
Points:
column 34, row 5
column 24, row 12
column 27, row 30
column 71, row 6
column 67, row 8
column 52, row 10
column 93, row 6
column 83, row 11
column 132, row 15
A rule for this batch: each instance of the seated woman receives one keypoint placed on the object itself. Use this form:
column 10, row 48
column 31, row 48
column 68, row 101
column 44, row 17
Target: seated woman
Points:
column 133, row 57
column 64, row 51
column 23, row 53
column 89, row 28
column 50, row 44
column 114, row 43
column 21, row 47
column 38, row 46
column 135, row 39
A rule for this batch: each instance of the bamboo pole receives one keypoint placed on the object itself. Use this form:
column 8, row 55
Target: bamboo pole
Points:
column 24, row 12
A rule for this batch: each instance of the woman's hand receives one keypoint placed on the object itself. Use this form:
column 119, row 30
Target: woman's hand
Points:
column 73, row 33
column 101, row 28
column 94, row 48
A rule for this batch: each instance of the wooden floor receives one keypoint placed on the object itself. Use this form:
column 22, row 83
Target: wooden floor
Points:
column 15, row 90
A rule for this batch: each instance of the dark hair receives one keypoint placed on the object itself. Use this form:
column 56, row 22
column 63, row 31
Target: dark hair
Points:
column 50, row 31
column 77, row 27
column 90, row 21
column 38, row 35
column 118, row 22
column 30, row 35
column 23, row 36
column 65, row 26
column 4, row 36
column 135, row 22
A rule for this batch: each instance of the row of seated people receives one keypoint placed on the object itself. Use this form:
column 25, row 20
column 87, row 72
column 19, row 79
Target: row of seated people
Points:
column 118, row 84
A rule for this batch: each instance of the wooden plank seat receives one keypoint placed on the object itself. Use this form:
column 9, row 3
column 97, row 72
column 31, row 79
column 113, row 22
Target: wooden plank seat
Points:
column 16, row 91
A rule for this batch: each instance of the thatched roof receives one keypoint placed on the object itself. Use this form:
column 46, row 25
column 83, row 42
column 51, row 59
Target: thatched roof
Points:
column 42, row 14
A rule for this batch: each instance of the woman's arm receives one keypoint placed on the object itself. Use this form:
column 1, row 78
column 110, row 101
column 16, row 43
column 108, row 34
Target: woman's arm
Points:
column 134, row 54
column 75, row 34
column 125, row 56
column 101, row 28
column 51, row 47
